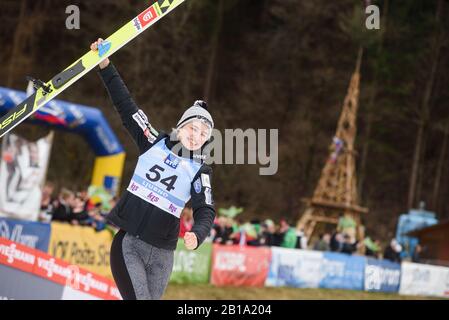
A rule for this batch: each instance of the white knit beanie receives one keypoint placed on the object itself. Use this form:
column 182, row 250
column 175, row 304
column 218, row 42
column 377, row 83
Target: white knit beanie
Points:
column 197, row 111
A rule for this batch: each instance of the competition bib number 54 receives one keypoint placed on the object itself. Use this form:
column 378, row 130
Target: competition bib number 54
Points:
column 154, row 175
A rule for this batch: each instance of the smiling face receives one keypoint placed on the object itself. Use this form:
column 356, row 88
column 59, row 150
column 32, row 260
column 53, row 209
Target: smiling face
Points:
column 194, row 134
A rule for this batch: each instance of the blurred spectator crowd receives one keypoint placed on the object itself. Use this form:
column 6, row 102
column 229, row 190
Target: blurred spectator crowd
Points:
column 233, row 231
column 77, row 208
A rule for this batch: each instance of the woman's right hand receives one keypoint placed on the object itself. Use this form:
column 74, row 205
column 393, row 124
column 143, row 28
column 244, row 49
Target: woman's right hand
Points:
column 94, row 47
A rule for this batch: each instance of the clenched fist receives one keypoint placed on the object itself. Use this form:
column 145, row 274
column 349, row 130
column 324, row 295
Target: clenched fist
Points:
column 94, row 47
column 190, row 240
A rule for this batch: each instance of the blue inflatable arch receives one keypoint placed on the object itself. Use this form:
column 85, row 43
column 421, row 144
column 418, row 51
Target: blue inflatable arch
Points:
column 86, row 121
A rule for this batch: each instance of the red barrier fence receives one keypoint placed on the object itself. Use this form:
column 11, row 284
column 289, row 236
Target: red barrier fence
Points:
column 72, row 282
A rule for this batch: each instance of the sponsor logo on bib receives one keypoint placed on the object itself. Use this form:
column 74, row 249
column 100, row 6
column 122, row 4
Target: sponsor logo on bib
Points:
column 152, row 197
column 172, row 161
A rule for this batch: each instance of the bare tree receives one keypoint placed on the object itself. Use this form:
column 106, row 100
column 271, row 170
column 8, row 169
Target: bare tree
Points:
column 424, row 112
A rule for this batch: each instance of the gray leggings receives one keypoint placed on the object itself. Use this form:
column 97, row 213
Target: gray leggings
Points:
column 141, row 271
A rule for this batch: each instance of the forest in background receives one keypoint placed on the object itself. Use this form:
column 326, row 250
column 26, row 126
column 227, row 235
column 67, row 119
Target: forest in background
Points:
column 269, row 64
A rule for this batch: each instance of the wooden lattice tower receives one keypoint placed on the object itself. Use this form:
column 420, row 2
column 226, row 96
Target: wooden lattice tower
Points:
column 336, row 192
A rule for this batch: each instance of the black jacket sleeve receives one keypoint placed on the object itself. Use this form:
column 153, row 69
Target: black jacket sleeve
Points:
column 202, row 204
column 133, row 119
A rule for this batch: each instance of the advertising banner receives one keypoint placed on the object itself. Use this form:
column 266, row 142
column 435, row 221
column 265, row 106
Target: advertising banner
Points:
column 32, row 234
column 23, row 168
column 342, row 271
column 382, row 275
column 424, row 280
column 294, row 268
column 82, row 246
column 26, row 273
column 239, row 266
column 191, row 266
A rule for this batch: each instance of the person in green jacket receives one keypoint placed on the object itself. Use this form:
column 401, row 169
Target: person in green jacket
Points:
column 289, row 239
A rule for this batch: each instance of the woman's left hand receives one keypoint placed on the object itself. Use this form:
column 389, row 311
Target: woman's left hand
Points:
column 190, row 240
